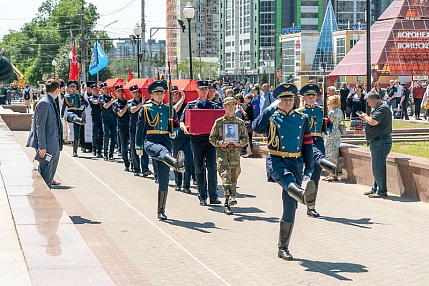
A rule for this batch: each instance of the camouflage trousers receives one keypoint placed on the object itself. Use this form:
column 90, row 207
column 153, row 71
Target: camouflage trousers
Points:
column 228, row 166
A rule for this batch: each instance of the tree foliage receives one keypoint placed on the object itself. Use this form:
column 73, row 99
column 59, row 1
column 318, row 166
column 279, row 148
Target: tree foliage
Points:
column 49, row 36
column 264, row 78
column 201, row 69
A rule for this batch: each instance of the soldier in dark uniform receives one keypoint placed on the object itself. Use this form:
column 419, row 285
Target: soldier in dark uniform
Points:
column 154, row 122
column 204, row 152
column 120, row 107
column 109, row 121
column 315, row 116
column 182, row 142
column 140, row 163
column 75, row 104
column 228, row 154
column 97, row 122
column 289, row 147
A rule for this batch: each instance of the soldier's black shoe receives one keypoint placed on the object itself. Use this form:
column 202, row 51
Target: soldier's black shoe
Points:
column 307, row 196
column 162, row 201
column 227, row 210
column 80, row 121
column 162, row 216
column 99, row 156
column 74, row 154
column 178, row 164
column 203, row 203
column 312, row 213
column 179, row 189
column 146, row 173
column 187, row 190
column 106, row 159
column 285, row 254
column 215, row 202
column 136, row 173
column 111, row 159
column 127, row 169
column 232, row 201
column 94, row 153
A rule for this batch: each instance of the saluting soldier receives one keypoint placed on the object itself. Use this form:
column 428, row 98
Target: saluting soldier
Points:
column 109, row 121
column 71, row 111
column 204, row 152
column 153, row 121
column 289, row 146
column 315, row 116
column 140, row 163
column 97, row 122
column 120, row 107
column 227, row 151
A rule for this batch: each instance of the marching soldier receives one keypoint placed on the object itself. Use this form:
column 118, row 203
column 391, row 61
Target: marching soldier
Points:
column 182, row 142
column 75, row 104
column 315, row 116
column 97, row 122
column 109, row 122
column 227, row 152
column 204, row 152
column 140, row 163
column 153, row 121
column 120, row 107
column 289, row 146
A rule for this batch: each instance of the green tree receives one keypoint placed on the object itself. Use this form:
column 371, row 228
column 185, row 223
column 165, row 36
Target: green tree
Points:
column 264, row 78
column 204, row 69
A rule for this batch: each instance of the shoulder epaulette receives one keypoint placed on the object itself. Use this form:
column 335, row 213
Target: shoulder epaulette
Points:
column 299, row 110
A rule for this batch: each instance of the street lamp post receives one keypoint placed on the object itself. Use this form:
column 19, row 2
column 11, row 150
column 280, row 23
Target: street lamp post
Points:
column 269, row 69
column 138, row 32
column 54, row 64
column 189, row 13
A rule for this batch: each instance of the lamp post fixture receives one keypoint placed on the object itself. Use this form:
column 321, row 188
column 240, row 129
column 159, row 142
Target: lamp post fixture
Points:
column 54, row 64
column 189, row 13
column 138, row 31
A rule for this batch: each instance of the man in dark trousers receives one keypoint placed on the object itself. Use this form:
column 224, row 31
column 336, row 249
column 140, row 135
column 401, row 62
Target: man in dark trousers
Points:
column 140, row 163
column 378, row 133
column 120, row 107
column 45, row 134
column 109, row 122
column 97, row 122
column 154, row 124
column 204, row 152
column 404, row 101
column 289, row 149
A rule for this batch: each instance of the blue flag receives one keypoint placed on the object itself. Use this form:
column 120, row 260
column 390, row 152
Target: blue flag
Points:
column 99, row 59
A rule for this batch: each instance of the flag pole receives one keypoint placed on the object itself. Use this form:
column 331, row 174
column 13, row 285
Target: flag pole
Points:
column 97, row 60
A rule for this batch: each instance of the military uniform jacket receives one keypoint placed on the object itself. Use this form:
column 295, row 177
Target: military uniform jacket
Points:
column 289, row 135
column 95, row 107
column 118, row 105
column 315, row 116
column 216, row 135
column 107, row 113
column 152, row 124
column 133, row 116
column 73, row 102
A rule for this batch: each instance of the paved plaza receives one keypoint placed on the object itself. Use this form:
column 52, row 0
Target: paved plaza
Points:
column 357, row 241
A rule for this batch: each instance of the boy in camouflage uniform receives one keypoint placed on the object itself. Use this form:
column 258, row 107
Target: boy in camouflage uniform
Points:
column 227, row 152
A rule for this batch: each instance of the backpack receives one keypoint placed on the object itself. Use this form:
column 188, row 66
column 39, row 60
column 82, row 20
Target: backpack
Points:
column 27, row 94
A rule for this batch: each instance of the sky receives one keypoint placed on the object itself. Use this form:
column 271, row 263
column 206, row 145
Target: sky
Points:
column 126, row 12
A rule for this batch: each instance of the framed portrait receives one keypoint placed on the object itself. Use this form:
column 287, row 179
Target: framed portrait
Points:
column 230, row 132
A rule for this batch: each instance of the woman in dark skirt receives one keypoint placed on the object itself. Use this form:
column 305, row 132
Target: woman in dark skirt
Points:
column 344, row 92
column 357, row 104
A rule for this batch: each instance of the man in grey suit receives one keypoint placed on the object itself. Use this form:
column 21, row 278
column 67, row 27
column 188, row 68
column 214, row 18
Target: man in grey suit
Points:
column 46, row 128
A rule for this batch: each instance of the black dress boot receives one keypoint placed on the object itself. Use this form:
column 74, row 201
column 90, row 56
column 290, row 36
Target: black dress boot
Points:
column 162, row 201
column 311, row 211
column 284, row 238
column 331, row 167
column 226, row 209
column 307, row 196
column 178, row 164
column 79, row 121
column 75, row 145
column 94, row 151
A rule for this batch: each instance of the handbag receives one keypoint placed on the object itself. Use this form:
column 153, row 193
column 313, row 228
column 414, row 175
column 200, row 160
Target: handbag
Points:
column 426, row 106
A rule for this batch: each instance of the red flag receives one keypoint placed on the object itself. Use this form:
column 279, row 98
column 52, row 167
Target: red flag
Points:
column 130, row 75
column 74, row 67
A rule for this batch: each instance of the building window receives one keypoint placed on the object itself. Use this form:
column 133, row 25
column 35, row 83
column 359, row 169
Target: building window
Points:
column 341, row 50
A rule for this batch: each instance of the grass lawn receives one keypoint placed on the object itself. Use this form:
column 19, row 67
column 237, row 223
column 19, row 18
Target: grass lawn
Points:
column 419, row 149
column 398, row 124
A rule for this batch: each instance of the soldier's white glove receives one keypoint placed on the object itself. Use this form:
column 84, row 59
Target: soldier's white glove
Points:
column 305, row 178
column 139, row 152
column 82, row 107
column 275, row 103
column 173, row 135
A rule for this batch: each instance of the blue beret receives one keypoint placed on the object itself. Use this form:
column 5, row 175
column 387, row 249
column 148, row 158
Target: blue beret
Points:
column 310, row 89
column 134, row 88
column 203, row 84
column 285, row 90
column 72, row 82
column 159, row 85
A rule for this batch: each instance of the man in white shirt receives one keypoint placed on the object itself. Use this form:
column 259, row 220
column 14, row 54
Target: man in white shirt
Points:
column 398, row 93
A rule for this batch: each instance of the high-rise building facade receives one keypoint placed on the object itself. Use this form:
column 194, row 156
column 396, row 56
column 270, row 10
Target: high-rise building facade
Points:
column 205, row 31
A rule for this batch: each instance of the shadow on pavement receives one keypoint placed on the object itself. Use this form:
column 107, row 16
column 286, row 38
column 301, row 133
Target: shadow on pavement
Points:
column 81, row 220
column 332, row 268
column 362, row 222
column 201, row 227
column 59, row 187
column 240, row 214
